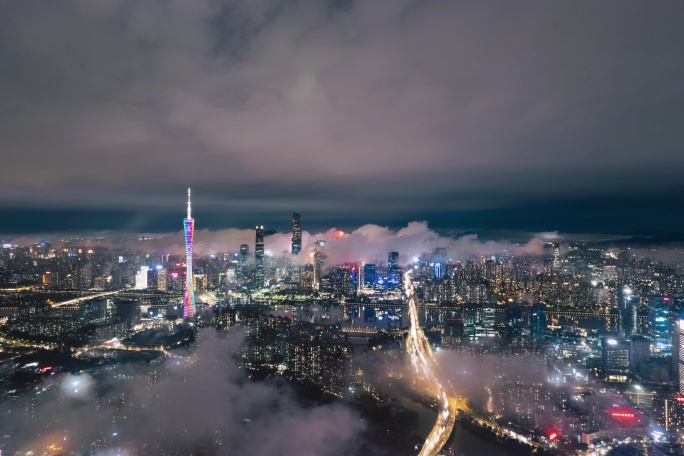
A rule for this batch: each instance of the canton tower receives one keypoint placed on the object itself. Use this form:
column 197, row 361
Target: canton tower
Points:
column 189, row 302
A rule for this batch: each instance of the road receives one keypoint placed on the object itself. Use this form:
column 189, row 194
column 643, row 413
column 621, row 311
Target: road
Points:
column 423, row 360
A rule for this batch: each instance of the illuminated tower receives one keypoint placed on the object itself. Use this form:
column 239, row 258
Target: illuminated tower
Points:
column 556, row 256
column 296, row 234
column 189, row 302
column 259, row 257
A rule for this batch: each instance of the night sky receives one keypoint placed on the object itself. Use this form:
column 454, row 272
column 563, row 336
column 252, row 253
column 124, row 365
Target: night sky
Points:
column 471, row 115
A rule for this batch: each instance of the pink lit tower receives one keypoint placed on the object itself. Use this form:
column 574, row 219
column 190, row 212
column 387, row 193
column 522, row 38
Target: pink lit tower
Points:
column 189, row 302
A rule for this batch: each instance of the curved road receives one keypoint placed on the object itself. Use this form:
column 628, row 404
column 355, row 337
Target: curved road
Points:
column 423, row 360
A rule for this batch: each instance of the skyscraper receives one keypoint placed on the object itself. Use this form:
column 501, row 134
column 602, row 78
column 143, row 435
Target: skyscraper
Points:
column 189, row 301
column 392, row 259
column 658, row 322
column 162, row 279
column 639, row 351
column 538, row 322
column 244, row 253
column 319, row 261
column 259, row 257
column 296, row 234
column 141, row 278
column 556, row 256
column 489, row 316
column 369, row 277
column 438, row 270
column 393, row 270
column 615, row 359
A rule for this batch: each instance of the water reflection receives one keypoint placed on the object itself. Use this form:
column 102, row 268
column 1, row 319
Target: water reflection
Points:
column 370, row 317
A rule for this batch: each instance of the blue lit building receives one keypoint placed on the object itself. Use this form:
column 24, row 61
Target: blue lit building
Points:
column 659, row 322
column 438, row 270
column 393, row 270
column 369, row 275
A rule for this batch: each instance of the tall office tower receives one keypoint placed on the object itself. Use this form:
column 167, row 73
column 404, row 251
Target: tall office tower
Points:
column 556, row 256
column 469, row 319
column 306, row 278
column 369, row 277
column 393, row 270
column 489, row 316
column 392, row 259
column 538, row 322
column 259, row 257
column 615, row 321
column 141, row 278
column 639, row 351
column 360, row 278
column 244, row 253
column 514, row 319
column 162, row 279
column 658, row 322
column 319, row 262
column 296, row 234
column 629, row 311
column 189, row 301
column 438, row 270
column 615, row 360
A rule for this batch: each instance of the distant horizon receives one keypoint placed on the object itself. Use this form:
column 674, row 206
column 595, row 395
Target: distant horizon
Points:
column 575, row 217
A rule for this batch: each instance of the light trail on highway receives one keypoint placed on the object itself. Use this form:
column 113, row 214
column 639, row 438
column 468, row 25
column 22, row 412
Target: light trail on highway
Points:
column 423, row 360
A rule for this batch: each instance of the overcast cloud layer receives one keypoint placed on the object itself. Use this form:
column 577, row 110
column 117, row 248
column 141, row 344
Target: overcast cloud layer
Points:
column 536, row 115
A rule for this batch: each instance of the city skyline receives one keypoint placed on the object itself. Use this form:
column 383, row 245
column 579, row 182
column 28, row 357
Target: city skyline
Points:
column 412, row 228
column 440, row 112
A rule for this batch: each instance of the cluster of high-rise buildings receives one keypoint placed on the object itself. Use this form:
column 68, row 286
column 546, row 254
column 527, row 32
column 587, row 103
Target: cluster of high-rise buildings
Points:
column 313, row 354
column 600, row 316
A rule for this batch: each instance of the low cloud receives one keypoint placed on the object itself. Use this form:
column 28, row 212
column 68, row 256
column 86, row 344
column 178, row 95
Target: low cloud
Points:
column 371, row 242
column 196, row 403
column 366, row 243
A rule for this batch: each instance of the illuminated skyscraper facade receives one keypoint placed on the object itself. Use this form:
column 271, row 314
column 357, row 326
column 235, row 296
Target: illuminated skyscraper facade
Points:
column 369, row 275
column 259, row 257
column 393, row 270
column 659, row 322
column 556, row 256
column 319, row 261
column 538, row 322
column 189, row 302
column 296, row 234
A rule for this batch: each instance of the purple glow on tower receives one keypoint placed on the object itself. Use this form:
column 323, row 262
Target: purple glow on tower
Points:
column 189, row 302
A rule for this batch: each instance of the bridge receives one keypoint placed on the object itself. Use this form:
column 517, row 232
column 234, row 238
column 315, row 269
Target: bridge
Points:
column 85, row 298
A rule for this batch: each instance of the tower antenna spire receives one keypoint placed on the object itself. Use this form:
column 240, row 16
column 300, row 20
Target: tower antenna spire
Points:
column 189, row 206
